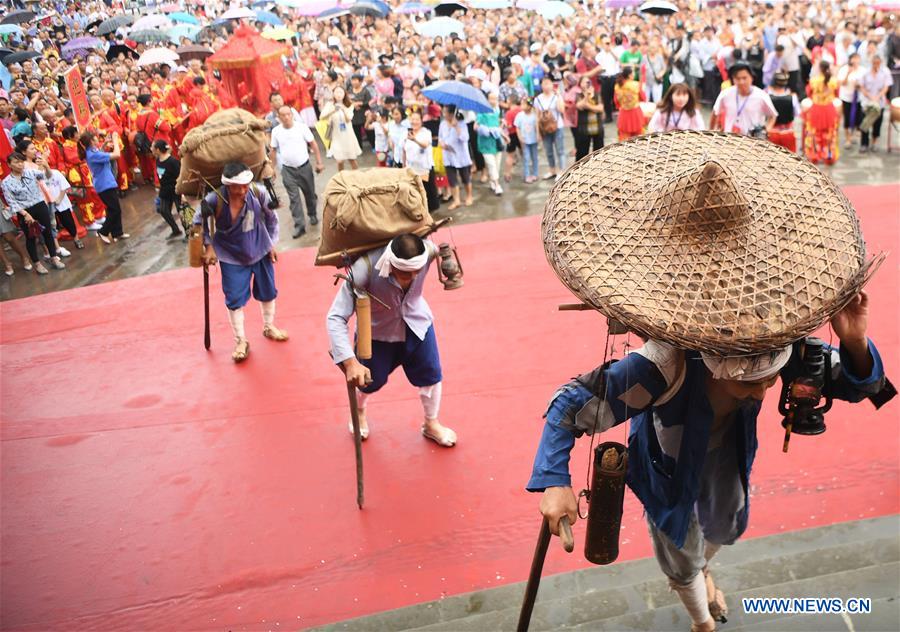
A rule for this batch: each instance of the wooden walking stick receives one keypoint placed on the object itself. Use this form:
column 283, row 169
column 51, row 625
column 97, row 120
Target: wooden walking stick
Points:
column 357, row 445
column 537, row 565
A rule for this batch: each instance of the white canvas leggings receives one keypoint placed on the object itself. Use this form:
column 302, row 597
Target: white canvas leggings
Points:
column 715, row 520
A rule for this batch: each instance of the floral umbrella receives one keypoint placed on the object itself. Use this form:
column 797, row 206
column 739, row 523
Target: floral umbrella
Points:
column 79, row 46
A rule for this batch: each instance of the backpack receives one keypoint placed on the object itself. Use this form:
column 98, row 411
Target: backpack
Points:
column 547, row 123
column 142, row 142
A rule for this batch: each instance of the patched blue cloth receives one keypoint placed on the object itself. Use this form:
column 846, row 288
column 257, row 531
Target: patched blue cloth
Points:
column 663, row 391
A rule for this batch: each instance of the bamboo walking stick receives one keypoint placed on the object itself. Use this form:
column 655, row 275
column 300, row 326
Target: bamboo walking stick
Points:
column 537, row 565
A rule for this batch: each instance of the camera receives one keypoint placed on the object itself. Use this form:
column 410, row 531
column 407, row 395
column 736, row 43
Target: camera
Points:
column 758, row 131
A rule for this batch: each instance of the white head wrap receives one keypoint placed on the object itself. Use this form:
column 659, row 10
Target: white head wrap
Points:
column 748, row 368
column 244, row 177
column 389, row 260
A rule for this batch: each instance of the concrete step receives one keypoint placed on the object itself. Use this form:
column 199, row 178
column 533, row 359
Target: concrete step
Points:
column 635, row 596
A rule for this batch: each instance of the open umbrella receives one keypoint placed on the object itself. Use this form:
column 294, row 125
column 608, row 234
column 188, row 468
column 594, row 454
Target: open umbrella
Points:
column 313, row 8
column 887, row 5
column 184, row 18
column 11, row 29
column 447, row 9
column 279, row 33
column 189, row 31
column 18, row 17
column 194, row 52
column 462, row 95
column 238, row 13
column 529, row 5
column 658, row 7
column 19, row 57
column 440, row 27
column 293, row 4
column 148, row 35
column 335, row 12
column 120, row 49
column 4, row 52
column 370, row 7
column 555, row 9
column 408, row 8
column 154, row 21
column 153, row 56
column 622, row 4
column 79, row 45
column 113, row 24
column 267, row 17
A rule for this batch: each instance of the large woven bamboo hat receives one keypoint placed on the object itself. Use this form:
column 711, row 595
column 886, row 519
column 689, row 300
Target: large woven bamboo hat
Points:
column 709, row 241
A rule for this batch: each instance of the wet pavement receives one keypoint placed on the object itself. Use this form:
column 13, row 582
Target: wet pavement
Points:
column 148, row 251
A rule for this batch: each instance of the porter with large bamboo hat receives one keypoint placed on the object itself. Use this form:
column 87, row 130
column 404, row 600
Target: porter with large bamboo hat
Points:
column 722, row 251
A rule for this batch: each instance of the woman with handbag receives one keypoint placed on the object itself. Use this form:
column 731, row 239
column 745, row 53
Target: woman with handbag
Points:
column 339, row 114
column 550, row 107
column 23, row 191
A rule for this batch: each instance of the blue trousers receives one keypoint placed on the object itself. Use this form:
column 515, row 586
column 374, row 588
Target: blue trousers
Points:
column 238, row 280
column 419, row 358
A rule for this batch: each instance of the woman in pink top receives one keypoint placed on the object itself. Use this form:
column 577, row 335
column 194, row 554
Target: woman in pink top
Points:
column 678, row 109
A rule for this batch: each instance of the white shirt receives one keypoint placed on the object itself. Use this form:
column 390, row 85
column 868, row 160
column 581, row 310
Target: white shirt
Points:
column 659, row 122
column 292, row 145
column 742, row 114
column 419, row 159
column 57, row 184
column 846, row 90
column 609, row 63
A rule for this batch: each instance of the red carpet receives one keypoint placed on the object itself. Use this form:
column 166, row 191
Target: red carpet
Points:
column 148, row 485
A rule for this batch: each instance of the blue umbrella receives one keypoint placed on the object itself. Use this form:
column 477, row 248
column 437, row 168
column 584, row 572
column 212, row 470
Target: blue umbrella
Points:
column 462, row 95
column 183, row 30
column 184, row 18
column 336, row 12
column 269, row 18
column 370, row 7
column 10, row 29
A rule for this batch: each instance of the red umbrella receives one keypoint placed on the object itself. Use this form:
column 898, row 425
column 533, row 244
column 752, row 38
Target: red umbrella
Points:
column 250, row 65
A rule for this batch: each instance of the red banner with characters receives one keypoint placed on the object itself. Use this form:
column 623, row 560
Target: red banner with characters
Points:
column 77, row 95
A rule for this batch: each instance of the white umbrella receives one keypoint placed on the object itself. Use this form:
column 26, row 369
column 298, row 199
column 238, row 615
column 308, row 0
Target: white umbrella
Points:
column 239, row 13
column 154, row 56
column 155, row 21
column 530, row 5
column 440, row 27
column 658, row 7
column 555, row 9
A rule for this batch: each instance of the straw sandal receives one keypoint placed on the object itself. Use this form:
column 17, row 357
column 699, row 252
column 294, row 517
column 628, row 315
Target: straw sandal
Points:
column 444, row 437
column 363, row 432
column 274, row 333
column 718, row 609
column 241, row 350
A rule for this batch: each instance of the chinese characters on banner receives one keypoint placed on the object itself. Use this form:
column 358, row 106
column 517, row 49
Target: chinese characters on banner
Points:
column 77, row 95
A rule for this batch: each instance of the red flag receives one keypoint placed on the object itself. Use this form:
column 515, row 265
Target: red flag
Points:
column 6, row 149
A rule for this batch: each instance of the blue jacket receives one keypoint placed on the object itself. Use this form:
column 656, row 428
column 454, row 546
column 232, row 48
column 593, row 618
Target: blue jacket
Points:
column 663, row 391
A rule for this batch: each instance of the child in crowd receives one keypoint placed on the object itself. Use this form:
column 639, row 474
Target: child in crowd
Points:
column 526, row 129
column 379, row 126
column 514, row 146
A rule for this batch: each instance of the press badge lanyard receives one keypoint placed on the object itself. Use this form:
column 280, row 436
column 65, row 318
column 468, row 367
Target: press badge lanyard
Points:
column 677, row 120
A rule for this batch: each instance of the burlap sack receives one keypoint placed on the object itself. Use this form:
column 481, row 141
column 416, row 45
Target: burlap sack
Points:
column 226, row 136
column 366, row 208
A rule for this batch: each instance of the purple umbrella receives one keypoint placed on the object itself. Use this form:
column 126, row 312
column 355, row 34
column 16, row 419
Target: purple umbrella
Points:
column 80, row 45
column 622, row 4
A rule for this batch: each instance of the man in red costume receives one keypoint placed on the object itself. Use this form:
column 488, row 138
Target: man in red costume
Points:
column 156, row 128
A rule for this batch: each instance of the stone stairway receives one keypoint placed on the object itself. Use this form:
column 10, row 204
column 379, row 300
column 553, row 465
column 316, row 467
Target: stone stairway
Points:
column 854, row 559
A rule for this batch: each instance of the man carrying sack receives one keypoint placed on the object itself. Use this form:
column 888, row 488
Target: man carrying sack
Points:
column 718, row 253
column 402, row 329
column 243, row 243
